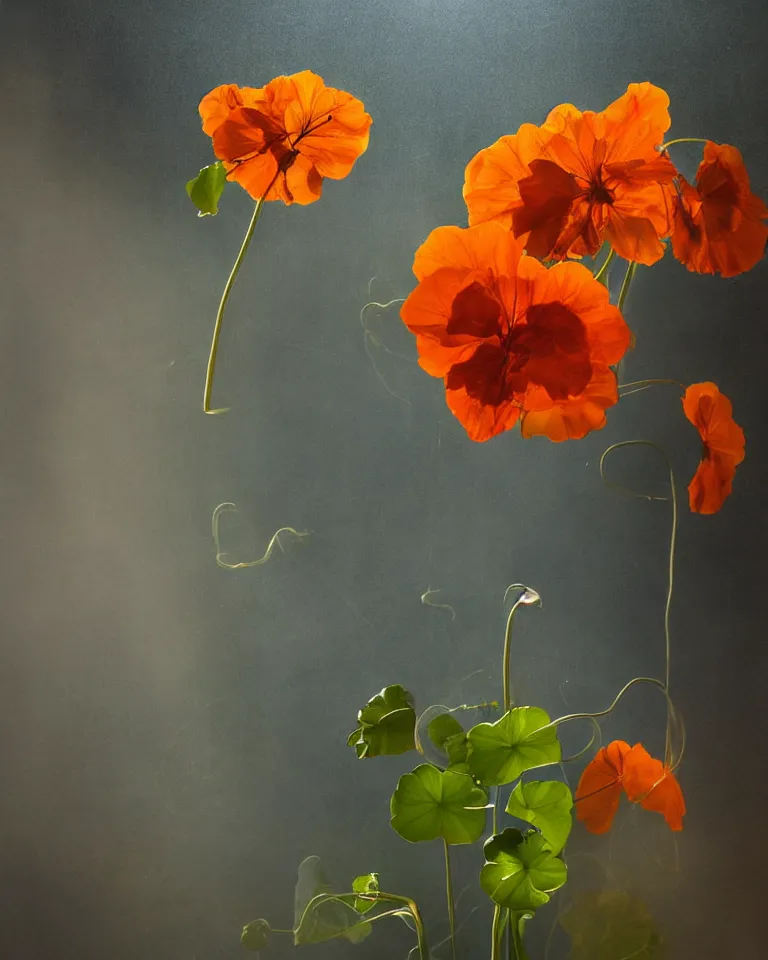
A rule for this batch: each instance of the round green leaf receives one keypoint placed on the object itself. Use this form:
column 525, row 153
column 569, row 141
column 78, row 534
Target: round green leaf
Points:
column 206, row 188
column 255, row 935
column 545, row 804
column 430, row 803
column 367, row 883
column 499, row 752
column 609, row 925
column 386, row 724
column 450, row 738
column 521, row 870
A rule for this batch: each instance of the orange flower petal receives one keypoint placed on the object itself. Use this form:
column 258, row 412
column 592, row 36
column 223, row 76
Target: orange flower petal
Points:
column 580, row 178
column 723, row 446
column 281, row 140
column 648, row 782
column 599, row 790
column 575, row 417
column 719, row 224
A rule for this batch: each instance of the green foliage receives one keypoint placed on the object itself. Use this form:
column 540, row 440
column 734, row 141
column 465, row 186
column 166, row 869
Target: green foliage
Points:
column 520, row 870
column 611, row 925
column 500, row 752
column 449, row 736
column 430, row 803
column 318, row 914
column 255, row 935
column 367, row 883
column 545, row 804
column 386, row 724
column 206, row 189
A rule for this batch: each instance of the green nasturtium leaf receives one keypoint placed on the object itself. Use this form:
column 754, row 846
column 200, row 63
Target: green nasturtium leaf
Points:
column 611, row 925
column 386, row 724
column 449, row 736
column 367, row 883
column 206, row 189
column 255, row 935
column 520, row 870
column 430, row 803
column 318, row 915
column 499, row 752
column 547, row 805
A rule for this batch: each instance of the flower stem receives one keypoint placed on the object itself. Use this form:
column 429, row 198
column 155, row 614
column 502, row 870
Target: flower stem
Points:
column 507, row 649
column 222, row 306
column 449, row 897
column 497, row 931
column 626, row 283
column 517, row 937
column 606, row 263
column 671, row 143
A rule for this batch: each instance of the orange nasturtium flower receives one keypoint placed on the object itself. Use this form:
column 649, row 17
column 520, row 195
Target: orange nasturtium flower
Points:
column 513, row 340
column 619, row 768
column 581, row 178
column 722, row 446
column 718, row 224
column 280, row 141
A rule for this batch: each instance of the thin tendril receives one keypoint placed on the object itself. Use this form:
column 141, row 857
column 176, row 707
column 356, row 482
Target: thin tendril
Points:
column 425, row 599
column 223, row 303
column 671, row 567
column 369, row 338
column 596, row 735
column 275, row 541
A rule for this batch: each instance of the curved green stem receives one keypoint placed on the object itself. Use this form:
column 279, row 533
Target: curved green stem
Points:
column 410, row 905
column 449, row 897
column 507, row 650
column 606, row 263
column 670, row 569
column 222, row 306
column 671, row 143
column 638, row 385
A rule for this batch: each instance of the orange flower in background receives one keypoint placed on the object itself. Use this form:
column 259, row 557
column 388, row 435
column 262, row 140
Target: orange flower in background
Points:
column 619, row 768
column 718, row 224
column 600, row 787
column 280, row 141
column 512, row 340
column 581, row 178
column 723, row 446
column 648, row 782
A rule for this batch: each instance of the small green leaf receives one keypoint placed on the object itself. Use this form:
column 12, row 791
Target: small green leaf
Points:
column 547, row 805
column 367, row 883
column 610, row 925
column 255, row 935
column 318, row 914
column 449, row 736
column 430, row 803
column 207, row 187
column 520, row 870
column 499, row 752
column 386, row 724
column 441, row 727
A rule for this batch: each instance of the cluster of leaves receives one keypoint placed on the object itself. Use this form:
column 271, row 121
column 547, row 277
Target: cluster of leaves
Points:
column 450, row 801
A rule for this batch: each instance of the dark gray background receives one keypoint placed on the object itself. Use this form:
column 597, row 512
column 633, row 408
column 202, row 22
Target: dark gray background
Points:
column 173, row 733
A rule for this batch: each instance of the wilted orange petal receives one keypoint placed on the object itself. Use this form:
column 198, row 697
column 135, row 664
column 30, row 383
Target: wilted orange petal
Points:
column 649, row 783
column 722, row 438
column 600, row 786
column 719, row 224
